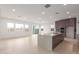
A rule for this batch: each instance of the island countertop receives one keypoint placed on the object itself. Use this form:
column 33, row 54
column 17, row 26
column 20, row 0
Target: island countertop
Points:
column 49, row 41
column 53, row 34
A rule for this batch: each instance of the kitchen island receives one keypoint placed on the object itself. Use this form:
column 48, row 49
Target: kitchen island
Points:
column 49, row 42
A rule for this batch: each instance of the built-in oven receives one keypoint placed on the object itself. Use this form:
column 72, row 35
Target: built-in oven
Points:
column 62, row 30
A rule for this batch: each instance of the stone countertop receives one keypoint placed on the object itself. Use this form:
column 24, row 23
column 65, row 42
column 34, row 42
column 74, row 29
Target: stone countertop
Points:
column 54, row 34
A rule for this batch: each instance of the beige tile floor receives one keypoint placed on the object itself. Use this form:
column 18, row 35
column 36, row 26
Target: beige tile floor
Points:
column 24, row 45
column 27, row 45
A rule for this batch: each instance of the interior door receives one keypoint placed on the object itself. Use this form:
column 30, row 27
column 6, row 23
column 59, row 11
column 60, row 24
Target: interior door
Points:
column 70, row 32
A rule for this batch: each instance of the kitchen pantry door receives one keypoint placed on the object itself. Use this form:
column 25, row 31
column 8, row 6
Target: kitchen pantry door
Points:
column 70, row 32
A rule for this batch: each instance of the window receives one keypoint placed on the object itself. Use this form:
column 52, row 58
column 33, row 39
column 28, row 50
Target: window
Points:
column 19, row 26
column 26, row 26
column 10, row 25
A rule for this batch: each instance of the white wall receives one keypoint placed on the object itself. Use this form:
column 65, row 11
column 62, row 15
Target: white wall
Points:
column 47, row 29
column 77, row 25
column 4, row 33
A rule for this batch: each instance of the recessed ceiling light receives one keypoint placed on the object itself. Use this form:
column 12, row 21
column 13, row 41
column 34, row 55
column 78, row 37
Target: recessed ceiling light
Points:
column 68, row 12
column 43, row 13
column 13, row 10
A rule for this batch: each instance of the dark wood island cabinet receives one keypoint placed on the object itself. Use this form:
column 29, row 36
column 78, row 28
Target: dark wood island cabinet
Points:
column 57, row 40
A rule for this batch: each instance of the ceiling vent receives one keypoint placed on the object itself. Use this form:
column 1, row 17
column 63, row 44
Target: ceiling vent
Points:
column 47, row 6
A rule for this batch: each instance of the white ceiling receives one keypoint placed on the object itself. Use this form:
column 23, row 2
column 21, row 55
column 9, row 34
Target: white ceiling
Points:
column 38, row 13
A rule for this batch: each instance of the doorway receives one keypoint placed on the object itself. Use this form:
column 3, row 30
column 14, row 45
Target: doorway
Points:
column 35, row 29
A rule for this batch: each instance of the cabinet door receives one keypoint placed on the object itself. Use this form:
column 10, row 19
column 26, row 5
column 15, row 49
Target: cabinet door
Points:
column 67, row 23
column 70, row 22
column 70, row 32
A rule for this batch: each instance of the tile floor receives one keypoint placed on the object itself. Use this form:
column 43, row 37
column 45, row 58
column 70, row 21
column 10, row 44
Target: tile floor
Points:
column 24, row 45
column 28, row 45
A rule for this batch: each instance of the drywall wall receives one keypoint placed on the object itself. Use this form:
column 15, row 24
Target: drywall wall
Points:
column 46, row 29
column 4, row 33
column 77, row 25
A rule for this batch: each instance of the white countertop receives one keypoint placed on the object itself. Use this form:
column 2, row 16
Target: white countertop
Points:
column 54, row 34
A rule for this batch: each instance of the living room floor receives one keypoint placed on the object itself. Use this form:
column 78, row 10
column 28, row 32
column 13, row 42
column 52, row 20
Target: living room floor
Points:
column 28, row 45
column 25, row 45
